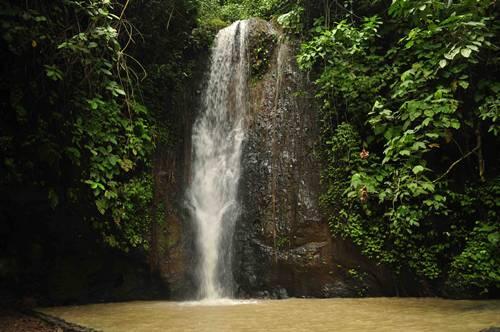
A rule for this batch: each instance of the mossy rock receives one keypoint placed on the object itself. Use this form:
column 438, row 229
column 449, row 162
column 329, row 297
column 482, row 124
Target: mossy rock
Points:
column 262, row 44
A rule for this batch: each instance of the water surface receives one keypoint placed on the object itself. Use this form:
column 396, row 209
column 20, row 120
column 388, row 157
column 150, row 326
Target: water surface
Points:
column 371, row 314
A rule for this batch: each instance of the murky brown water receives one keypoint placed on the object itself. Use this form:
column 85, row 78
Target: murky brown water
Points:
column 372, row 314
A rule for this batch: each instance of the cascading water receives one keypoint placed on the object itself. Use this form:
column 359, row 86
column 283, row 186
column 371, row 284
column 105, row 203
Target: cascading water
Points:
column 218, row 134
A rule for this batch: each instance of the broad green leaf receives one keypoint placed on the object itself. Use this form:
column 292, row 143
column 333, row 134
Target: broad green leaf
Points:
column 451, row 54
column 494, row 238
column 455, row 124
column 465, row 52
column 463, row 84
column 417, row 169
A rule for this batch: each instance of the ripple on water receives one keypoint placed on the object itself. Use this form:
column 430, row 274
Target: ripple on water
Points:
column 216, row 302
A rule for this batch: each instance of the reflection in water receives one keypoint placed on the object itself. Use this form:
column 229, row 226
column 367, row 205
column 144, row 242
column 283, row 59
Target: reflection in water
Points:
column 372, row 314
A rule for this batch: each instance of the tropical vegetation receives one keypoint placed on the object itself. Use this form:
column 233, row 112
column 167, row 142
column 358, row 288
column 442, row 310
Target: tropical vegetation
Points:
column 408, row 94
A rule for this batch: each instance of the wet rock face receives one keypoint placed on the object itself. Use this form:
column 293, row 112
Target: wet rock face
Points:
column 172, row 236
column 281, row 237
column 282, row 241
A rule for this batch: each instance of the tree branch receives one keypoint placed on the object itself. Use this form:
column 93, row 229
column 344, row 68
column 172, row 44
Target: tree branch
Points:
column 457, row 162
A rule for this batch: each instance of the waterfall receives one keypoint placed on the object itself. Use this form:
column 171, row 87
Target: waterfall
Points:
column 217, row 139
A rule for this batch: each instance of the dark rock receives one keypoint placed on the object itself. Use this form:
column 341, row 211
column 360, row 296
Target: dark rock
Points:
column 259, row 294
column 338, row 289
column 282, row 294
column 172, row 244
column 282, row 237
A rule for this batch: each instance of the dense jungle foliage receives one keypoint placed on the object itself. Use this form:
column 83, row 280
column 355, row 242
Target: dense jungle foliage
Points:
column 409, row 97
column 84, row 87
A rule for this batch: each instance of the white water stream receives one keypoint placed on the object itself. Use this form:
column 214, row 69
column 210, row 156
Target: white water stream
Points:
column 218, row 134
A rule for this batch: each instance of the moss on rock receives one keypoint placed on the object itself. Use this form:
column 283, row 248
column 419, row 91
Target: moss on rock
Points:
column 262, row 46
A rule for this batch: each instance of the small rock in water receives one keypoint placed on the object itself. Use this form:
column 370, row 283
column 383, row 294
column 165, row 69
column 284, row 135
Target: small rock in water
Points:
column 259, row 294
column 282, row 294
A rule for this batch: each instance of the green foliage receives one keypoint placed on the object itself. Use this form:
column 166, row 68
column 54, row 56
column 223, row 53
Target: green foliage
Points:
column 261, row 50
column 291, row 21
column 477, row 264
column 168, row 48
column 214, row 15
column 477, row 260
column 130, row 204
column 75, row 126
column 214, row 12
column 408, row 100
column 360, row 278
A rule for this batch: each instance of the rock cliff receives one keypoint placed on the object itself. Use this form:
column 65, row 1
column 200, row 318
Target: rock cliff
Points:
column 283, row 246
